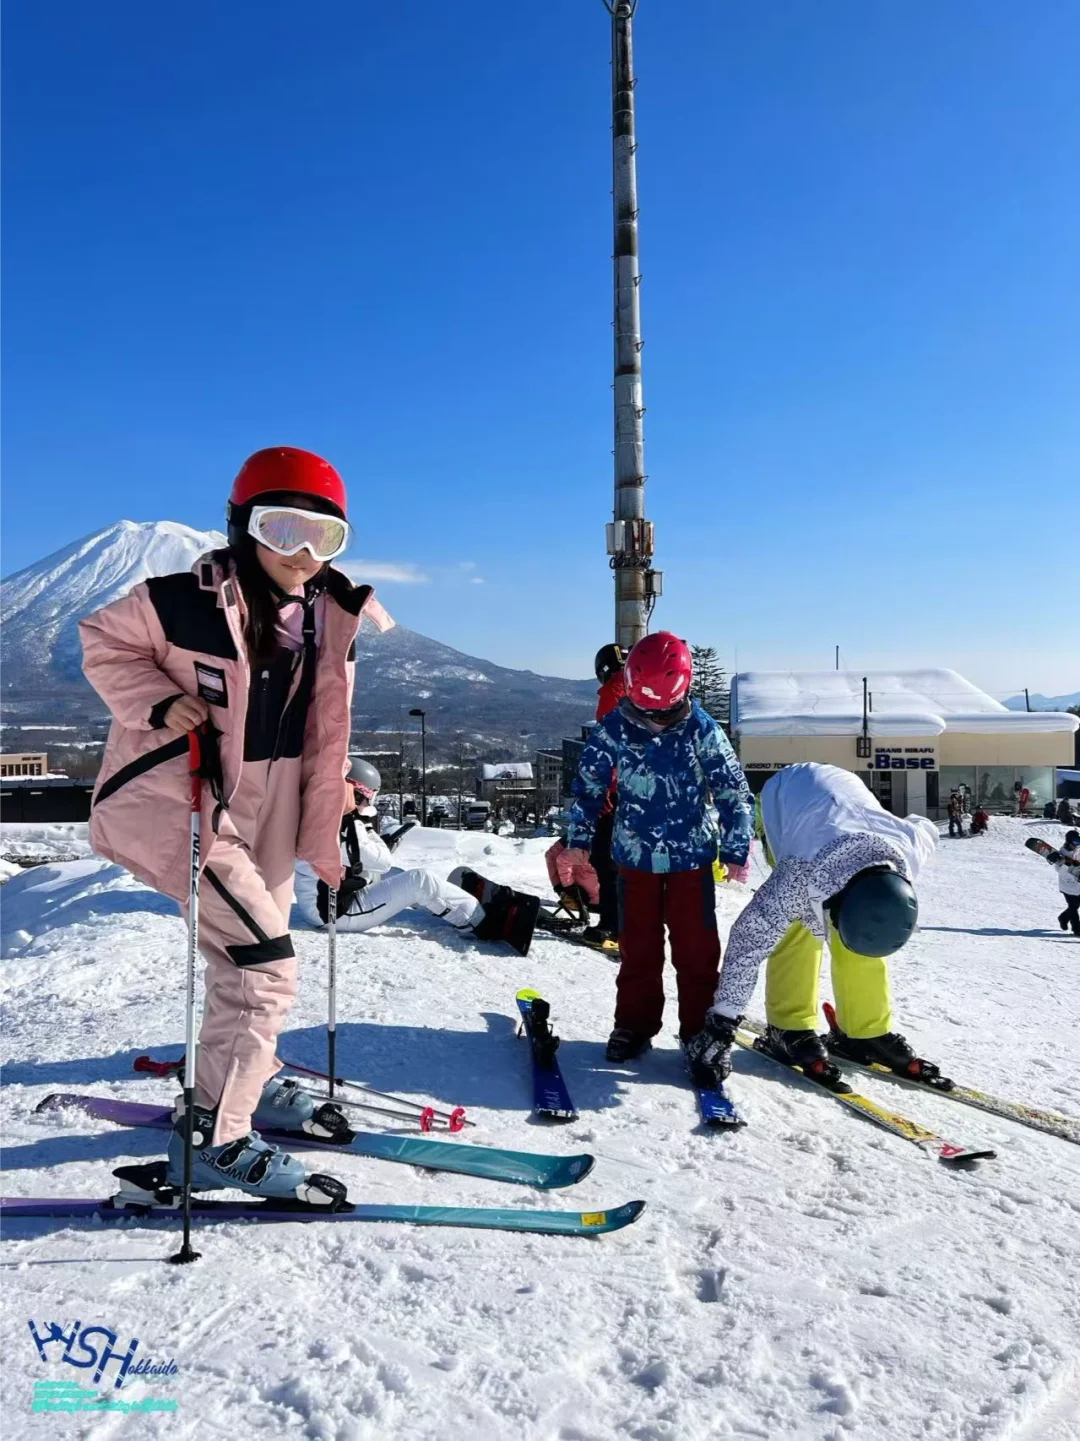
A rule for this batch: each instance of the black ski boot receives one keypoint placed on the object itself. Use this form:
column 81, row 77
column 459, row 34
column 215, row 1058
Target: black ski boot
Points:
column 626, row 1045
column 708, row 1053
column 891, row 1051
column 804, row 1049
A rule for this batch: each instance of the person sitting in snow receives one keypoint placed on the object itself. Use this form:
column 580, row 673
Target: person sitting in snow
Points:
column 843, row 870
column 373, row 889
column 668, row 756
column 980, row 821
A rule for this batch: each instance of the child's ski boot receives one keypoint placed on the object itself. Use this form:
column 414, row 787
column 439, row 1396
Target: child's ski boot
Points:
column 249, row 1164
column 804, row 1049
column 285, row 1106
column 624, row 1045
column 891, row 1051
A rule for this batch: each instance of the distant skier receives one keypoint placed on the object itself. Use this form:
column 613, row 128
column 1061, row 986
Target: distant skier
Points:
column 669, row 758
column 956, row 814
column 373, row 890
column 256, row 642
column 843, row 867
column 1065, row 813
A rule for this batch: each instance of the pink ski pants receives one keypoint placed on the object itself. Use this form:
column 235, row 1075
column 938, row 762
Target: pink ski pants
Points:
column 245, row 893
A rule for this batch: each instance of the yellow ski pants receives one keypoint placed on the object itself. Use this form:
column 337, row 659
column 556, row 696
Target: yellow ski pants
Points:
column 860, row 985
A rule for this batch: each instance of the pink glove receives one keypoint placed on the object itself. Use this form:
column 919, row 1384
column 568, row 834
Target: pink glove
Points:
column 567, row 868
column 738, row 873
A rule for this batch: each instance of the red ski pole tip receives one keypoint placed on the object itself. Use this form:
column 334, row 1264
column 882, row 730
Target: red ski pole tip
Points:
column 457, row 1119
column 427, row 1118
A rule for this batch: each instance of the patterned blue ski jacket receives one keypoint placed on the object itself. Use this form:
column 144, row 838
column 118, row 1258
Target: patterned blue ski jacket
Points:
column 662, row 819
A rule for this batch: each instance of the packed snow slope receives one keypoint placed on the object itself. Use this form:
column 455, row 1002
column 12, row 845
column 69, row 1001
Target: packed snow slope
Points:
column 809, row 1277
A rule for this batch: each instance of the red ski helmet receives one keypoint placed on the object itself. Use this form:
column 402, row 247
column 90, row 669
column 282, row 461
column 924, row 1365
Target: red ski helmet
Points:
column 658, row 672
column 282, row 471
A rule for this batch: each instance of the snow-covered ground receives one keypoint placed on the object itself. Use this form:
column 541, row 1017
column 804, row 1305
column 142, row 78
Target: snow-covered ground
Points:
column 809, row 1277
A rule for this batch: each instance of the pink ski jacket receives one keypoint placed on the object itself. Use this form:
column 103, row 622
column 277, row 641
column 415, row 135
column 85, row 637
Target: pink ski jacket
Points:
column 184, row 635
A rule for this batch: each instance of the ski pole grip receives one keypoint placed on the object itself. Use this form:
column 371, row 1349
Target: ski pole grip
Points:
column 195, row 767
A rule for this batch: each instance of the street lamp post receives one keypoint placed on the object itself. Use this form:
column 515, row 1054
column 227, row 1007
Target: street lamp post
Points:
column 423, row 762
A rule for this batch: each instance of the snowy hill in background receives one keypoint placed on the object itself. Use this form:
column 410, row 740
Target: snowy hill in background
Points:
column 1044, row 702
column 40, row 608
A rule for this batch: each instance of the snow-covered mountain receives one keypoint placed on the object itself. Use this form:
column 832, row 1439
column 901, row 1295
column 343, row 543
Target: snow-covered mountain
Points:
column 40, row 608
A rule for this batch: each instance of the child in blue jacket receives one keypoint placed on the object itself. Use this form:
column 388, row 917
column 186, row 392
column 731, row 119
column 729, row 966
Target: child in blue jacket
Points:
column 670, row 759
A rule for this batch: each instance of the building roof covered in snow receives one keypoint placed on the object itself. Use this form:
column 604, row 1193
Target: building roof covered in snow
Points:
column 507, row 771
column 902, row 703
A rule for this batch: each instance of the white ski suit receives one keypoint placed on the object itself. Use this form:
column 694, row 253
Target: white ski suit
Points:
column 388, row 891
column 822, row 827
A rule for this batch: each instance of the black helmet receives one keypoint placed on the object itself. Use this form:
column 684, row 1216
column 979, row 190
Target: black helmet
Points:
column 610, row 659
column 364, row 776
column 875, row 913
column 1072, row 838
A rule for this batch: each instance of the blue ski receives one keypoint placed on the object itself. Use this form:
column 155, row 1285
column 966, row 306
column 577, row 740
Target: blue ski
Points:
column 717, row 1109
column 522, row 1167
column 551, row 1099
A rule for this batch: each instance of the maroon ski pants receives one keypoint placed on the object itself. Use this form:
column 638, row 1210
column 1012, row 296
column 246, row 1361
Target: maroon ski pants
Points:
column 684, row 902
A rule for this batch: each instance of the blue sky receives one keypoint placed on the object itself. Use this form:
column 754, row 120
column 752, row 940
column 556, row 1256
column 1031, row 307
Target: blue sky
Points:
column 383, row 233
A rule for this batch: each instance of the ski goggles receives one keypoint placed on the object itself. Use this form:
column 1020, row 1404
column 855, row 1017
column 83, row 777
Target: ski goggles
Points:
column 286, row 530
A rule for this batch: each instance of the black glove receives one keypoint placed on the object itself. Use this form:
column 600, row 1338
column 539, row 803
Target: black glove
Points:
column 352, row 883
column 709, row 1052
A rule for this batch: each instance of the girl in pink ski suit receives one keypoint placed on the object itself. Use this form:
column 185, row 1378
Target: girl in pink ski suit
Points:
column 260, row 646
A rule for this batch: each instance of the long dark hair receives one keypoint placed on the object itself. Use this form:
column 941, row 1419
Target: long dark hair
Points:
column 261, row 597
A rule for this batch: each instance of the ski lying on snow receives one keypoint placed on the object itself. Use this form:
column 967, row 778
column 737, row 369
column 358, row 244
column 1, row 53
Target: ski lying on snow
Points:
column 545, row 1223
column 521, row 1167
column 1049, row 1121
column 947, row 1151
column 717, row 1109
column 551, row 1098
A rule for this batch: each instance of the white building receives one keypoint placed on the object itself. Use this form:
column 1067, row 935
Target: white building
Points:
column 918, row 735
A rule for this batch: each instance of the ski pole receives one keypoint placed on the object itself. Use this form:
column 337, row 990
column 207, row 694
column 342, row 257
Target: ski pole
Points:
column 455, row 1118
column 331, row 1014
column 185, row 1253
column 425, row 1119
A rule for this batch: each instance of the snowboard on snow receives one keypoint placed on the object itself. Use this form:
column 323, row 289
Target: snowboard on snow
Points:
column 568, row 929
column 512, row 914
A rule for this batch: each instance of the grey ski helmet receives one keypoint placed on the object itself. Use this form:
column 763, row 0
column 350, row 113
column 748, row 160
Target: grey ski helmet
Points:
column 875, row 913
column 364, row 776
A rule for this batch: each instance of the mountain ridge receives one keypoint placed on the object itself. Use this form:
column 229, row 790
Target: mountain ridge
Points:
column 497, row 708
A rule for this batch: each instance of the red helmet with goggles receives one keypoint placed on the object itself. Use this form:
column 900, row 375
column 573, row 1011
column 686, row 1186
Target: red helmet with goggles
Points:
column 278, row 477
column 658, row 672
